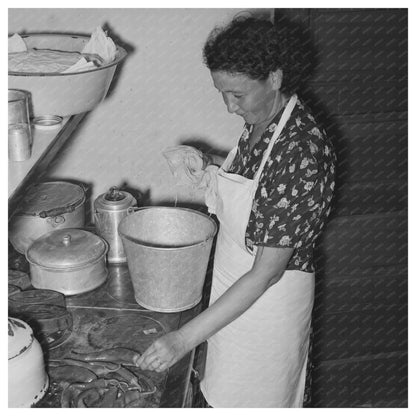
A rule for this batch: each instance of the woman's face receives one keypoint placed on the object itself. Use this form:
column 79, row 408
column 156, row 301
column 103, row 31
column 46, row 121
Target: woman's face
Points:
column 255, row 101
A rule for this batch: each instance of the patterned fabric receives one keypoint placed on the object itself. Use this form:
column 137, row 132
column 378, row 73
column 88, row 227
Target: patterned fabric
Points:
column 295, row 189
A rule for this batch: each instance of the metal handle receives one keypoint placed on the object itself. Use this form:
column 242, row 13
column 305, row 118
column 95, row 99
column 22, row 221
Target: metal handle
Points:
column 97, row 217
column 55, row 221
column 132, row 210
column 54, row 212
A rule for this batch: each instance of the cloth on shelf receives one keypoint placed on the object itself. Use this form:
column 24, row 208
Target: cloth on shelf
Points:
column 102, row 45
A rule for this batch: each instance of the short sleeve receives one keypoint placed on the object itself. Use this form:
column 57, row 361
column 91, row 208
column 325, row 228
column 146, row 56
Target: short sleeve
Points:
column 291, row 197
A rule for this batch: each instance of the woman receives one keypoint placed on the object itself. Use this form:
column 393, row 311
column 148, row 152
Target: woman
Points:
column 273, row 196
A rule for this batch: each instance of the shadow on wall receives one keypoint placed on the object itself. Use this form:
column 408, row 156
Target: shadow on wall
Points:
column 130, row 49
column 202, row 144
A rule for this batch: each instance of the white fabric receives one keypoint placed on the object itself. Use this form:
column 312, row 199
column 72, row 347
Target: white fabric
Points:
column 102, row 45
column 16, row 44
column 258, row 360
column 186, row 164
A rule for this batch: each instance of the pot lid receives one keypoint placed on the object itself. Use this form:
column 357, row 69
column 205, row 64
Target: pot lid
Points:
column 47, row 318
column 20, row 337
column 36, row 297
column 66, row 248
column 48, row 196
column 114, row 199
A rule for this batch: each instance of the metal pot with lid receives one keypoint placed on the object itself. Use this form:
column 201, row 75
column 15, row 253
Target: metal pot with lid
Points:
column 46, row 206
column 70, row 261
column 109, row 209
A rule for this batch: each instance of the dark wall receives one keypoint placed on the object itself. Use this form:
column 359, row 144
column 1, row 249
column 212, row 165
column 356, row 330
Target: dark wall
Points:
column 357, row 85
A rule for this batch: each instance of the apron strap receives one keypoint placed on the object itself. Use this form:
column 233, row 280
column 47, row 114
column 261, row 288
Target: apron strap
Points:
column 282, row 122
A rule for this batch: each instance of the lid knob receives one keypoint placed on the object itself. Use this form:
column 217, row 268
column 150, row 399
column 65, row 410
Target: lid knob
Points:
column 66, row 240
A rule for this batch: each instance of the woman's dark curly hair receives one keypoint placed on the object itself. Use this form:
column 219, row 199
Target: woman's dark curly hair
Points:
column 255, row 47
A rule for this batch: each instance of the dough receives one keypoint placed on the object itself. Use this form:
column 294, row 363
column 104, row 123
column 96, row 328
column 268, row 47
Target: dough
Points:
column 43, row 60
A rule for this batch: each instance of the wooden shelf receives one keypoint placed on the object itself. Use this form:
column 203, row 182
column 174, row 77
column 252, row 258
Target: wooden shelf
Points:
column 46, row 144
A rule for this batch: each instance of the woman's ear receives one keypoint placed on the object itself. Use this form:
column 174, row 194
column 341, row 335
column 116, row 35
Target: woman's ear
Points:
column 276, row 78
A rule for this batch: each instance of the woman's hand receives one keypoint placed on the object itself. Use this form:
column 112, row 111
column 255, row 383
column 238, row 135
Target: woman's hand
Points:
column 164, row 352
column 206, row 160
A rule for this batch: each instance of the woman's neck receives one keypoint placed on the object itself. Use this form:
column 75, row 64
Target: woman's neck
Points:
column 280, row 102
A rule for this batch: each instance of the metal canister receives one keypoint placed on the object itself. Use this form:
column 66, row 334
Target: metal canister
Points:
column 46, row 206
column 109, row 209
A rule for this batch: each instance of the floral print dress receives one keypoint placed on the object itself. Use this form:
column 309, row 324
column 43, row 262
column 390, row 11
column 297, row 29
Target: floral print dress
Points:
column 295, row 189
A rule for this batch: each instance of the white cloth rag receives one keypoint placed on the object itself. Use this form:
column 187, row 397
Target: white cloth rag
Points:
column 186, row 164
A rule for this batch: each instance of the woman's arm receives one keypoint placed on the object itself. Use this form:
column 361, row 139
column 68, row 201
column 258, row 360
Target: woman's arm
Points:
column 269, row 266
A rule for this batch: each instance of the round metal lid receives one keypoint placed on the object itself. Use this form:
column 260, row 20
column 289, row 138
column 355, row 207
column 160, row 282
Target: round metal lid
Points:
column 36, row 297
column 47, row 122
column 114, row 200
column 20, row 337
column 66, row 248
column 47, row 318
column 46, row 196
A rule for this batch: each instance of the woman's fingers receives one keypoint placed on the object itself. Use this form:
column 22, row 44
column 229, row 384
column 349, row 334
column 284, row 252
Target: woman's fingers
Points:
column 163, row 353
column 162, row 367
column 151, row 360
column 146, row 358
column 154, row 363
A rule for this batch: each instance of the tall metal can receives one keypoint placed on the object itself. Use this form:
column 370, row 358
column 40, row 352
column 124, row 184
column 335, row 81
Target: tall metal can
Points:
column 109, row 209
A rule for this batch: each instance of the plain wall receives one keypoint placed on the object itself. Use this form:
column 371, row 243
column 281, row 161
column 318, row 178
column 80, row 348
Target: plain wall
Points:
column 162, row 96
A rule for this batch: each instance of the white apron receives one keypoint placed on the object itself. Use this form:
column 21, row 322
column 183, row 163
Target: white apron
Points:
column 259, row 359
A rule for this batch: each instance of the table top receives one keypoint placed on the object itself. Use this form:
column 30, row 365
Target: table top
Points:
column 109, row 317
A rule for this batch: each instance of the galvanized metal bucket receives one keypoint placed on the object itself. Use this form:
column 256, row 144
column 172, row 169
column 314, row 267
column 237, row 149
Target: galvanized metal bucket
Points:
column 167, row 253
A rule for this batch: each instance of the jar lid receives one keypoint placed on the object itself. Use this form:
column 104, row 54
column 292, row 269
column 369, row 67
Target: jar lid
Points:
column 114, row 199
column 46, row 196
column 20, row 337
column 66, row 248
column 47, row 122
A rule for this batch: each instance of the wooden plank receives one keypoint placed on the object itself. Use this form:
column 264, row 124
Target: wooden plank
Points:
column 373, row 197
column 365, row 291
column 372, row 151
column 370, row 382
column 356, row 333
column 360, row 97
column 373, row 40
column 352, row 243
